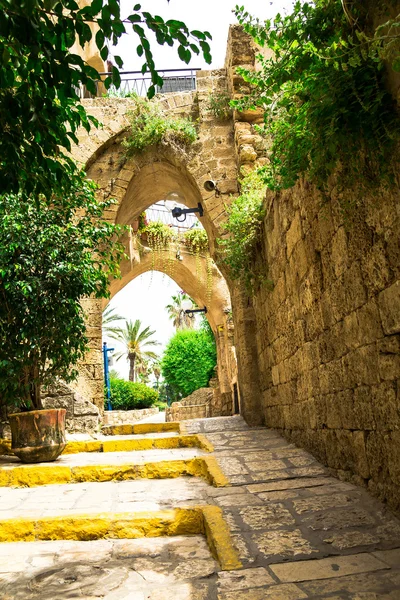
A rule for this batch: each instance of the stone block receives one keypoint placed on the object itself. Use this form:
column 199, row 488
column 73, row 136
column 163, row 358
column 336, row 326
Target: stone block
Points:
column 327, row 568
column 247, row 153
column 389, row 308
column 339, row 253
column 293, row 234
column 360, row 367
column 375, row 268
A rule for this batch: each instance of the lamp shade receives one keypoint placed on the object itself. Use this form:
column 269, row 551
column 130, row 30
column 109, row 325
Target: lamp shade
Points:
column 187, row 304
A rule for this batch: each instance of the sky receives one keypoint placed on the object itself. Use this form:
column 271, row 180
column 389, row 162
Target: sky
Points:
column 145, row 297
column 214, row 16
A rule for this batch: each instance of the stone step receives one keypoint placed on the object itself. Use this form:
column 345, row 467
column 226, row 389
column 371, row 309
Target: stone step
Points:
column 164, row 568
column 116, row 466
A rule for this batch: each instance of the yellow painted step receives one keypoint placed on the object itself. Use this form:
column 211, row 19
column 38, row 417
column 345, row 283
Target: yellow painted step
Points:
column 206, row 520
column 136, row 444
column 53, row 473
column 129, row 428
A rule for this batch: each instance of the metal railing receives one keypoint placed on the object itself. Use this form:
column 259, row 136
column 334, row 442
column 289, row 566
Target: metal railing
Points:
column 135, row 82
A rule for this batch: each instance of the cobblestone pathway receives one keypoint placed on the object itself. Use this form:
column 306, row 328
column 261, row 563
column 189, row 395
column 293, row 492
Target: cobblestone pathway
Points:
column 300, row 533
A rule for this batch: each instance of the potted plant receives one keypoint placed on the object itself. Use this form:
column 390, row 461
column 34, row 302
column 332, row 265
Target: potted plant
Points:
column 51, row 255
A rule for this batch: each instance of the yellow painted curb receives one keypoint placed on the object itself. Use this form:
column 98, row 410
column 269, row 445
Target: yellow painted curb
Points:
column 138, row 444
column 34, row 475
column 207, row 520
column 219, row 538
column 129, row 429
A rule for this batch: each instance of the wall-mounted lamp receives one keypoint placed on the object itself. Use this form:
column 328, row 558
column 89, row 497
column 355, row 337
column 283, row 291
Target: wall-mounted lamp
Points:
column 182, row 212
column 211, row 186
column 188, row 309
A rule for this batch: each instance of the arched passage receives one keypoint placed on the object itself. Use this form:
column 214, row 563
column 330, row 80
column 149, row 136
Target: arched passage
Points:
column 146, row 178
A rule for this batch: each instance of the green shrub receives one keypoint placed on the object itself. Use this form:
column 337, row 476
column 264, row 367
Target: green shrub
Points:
column 127, row 395
column 149, row 127
column 189, row 361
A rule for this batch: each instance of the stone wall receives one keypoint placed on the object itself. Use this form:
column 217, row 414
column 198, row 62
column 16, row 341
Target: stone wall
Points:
column 82, row 416
column 327, row 354
column 119, row 417
column 328, row 334
column 196, row 406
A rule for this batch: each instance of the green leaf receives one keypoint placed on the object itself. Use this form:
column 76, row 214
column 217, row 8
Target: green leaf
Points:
column 104, row 53
column 100, row 39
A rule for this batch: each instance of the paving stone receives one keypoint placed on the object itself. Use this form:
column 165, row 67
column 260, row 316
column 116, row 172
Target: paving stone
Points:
column 276, row 592
column 271, row 475
column 390, row 557
column 302, row 461
column 270, row 465
column 340, row 519
column 276, row 496
column 288, row 485
column 232, row 466
column 243, row 579
column 321, row 502
column 377, row 582
column 283, row 543
column 266, row 517
column 238, row 500
column 327, row 568
column 350, row 539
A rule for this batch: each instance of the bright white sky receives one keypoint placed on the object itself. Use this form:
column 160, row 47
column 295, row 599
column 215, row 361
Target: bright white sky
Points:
column 145, row 298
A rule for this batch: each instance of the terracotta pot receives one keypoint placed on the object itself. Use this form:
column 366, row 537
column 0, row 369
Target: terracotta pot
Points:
column 38, row 435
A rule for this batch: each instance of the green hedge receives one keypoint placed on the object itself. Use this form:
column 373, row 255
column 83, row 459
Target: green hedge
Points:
column 127, row 395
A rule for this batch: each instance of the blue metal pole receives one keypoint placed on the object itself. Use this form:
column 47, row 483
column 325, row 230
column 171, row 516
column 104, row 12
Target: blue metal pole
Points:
column 106, row 375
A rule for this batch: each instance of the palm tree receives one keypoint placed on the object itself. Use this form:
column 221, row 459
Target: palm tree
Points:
column 180, row 320
column 157, row 371
column 109, row 319
column 135, row 342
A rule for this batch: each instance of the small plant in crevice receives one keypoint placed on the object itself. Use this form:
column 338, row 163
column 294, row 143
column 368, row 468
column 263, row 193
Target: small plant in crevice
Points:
column 322, row 88
column 149, row 126
column 238, row 250
column 219, row 105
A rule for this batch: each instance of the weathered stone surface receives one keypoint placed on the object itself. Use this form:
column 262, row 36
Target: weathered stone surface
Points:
column 266, row 517
column 275, row 592
column 283, row 543
column 327, row 567
column 340, row 519
column 243, row 579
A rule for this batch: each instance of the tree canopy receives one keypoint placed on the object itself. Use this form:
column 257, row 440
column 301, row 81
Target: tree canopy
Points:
column 40, row 111
column 50, row 256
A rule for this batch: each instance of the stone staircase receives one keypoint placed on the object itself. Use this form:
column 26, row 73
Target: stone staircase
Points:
column 208, row 509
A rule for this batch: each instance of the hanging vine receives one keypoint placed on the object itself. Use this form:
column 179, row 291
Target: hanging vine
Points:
column 196, row 243
column 167, row 246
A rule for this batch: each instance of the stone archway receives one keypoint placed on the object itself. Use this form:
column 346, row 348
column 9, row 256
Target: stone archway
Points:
column 190, row 273
column 144, row 179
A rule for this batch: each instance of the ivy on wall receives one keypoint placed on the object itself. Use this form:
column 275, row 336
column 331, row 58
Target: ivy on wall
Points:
column 322, row 89
column 238, row 250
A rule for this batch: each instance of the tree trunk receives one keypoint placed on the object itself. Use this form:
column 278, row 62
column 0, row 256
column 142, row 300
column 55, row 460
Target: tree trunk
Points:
column 132, row 358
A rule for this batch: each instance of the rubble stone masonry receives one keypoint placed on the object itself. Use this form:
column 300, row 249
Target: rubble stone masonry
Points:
column 328, row 334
